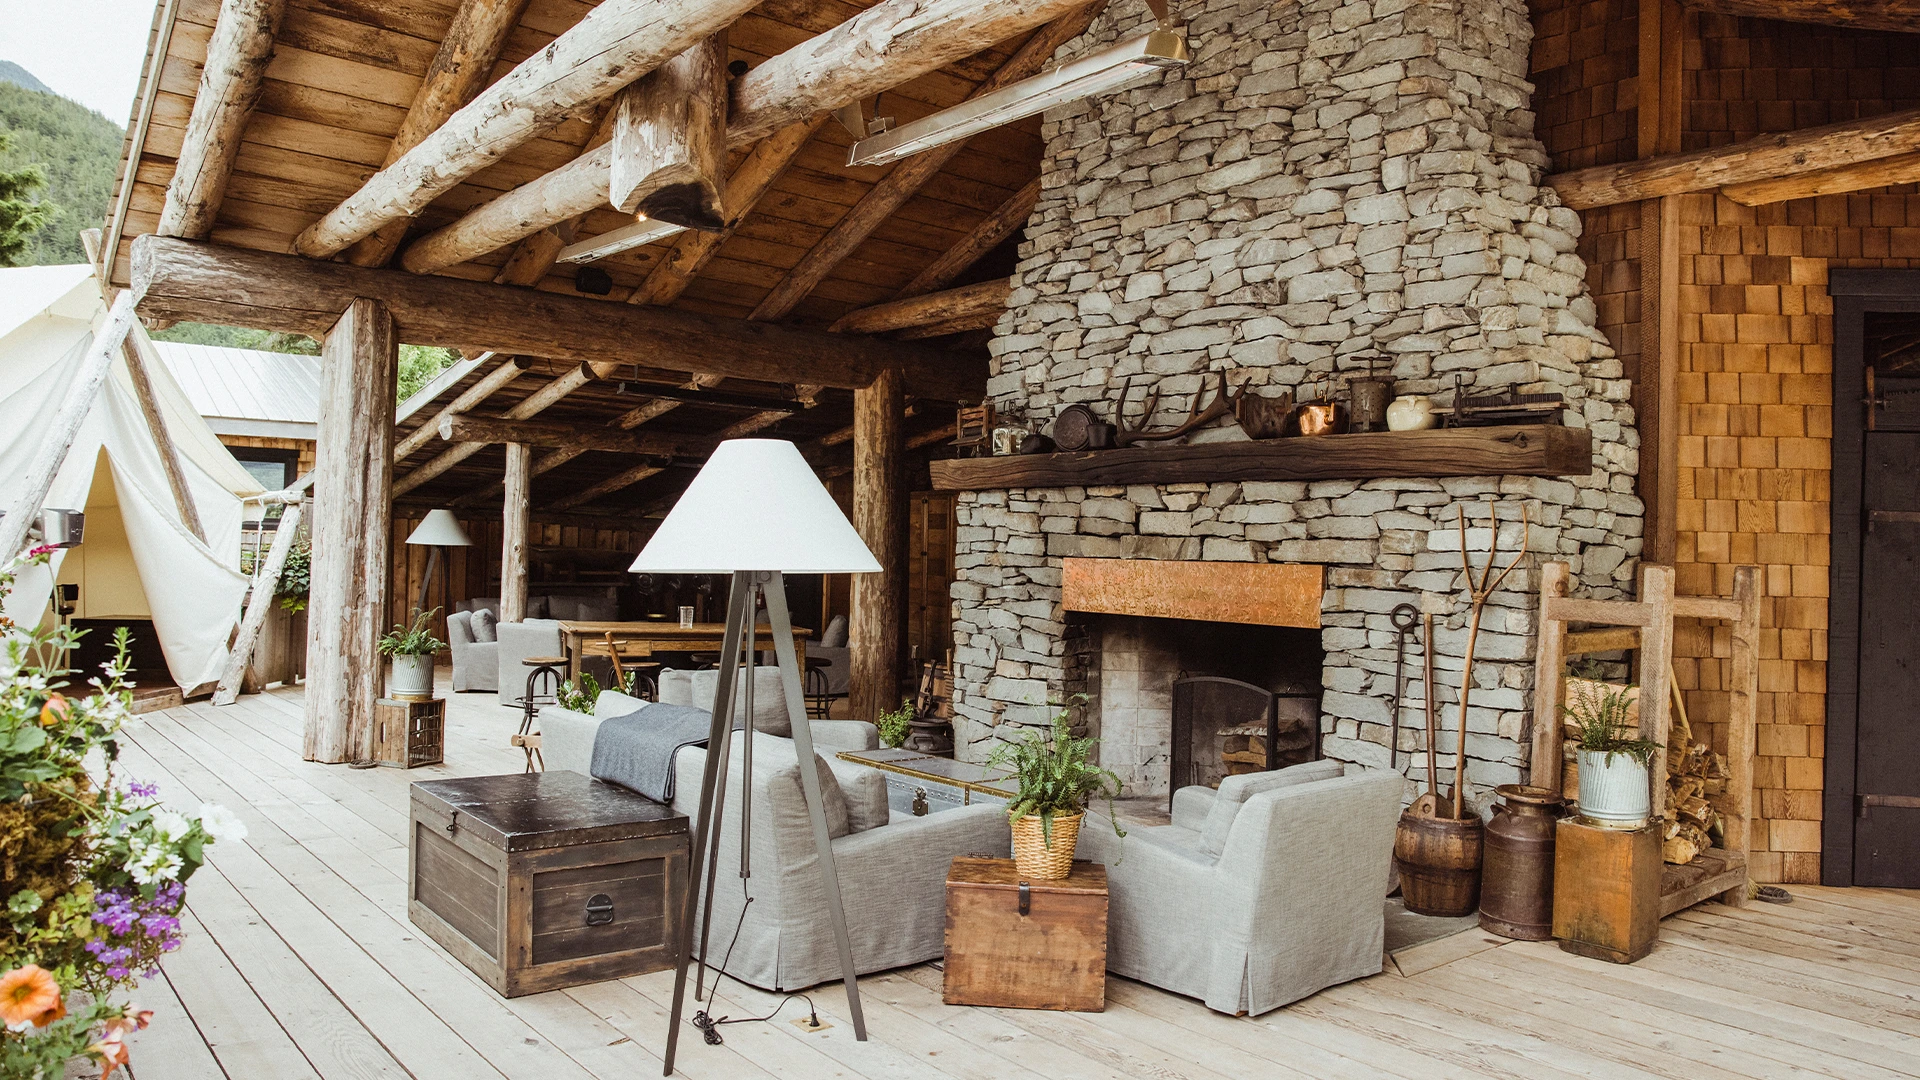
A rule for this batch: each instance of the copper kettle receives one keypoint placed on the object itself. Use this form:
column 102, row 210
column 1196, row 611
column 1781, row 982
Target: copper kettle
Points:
column 1323, row 416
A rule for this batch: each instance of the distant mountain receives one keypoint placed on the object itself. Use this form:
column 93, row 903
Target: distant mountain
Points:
column 11, row 72
column 78, row 148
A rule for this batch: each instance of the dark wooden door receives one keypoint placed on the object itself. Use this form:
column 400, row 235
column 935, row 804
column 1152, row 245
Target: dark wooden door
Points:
column 1887, row 765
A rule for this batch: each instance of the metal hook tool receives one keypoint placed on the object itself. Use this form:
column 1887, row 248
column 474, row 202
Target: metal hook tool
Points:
column 1405, row 617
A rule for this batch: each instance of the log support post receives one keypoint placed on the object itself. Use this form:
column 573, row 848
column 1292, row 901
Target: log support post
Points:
column 878, row 516
column 351, row 526
column 513, row 533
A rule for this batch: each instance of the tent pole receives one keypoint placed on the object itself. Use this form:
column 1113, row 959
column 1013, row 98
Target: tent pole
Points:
column 264, row 586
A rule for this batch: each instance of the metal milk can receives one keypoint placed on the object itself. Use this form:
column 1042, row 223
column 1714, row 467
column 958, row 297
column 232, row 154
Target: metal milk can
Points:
column 1516, row 887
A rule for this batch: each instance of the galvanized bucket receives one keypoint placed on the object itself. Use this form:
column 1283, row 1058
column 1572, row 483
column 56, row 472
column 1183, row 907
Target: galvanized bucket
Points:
column 1614, row 794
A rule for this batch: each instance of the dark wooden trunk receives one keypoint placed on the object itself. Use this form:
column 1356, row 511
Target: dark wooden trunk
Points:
column 1022, row 944
column 538, row 881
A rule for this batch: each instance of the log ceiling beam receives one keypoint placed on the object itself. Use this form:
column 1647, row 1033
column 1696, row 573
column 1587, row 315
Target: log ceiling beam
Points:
column 968, row 307
column 616, row 43
column 460, row 70
column 670, row 140
column 532, row 406
column 1881, row 172
column 629, row 477
column 230, row 82
column 534, row 256
column 906, row 179
column 507, row 371
column 1769, row 157
column 553, row 459
column 672, row 274
column 1902, row 16
column 181, row 279
column 893, row 42
column 562, row 436
column 1008, row 218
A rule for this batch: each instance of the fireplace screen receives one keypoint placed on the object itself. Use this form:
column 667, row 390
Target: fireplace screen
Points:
column 1223, row 727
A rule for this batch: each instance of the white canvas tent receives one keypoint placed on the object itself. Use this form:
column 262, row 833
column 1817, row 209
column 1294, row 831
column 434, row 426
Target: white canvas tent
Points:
column 143, row 562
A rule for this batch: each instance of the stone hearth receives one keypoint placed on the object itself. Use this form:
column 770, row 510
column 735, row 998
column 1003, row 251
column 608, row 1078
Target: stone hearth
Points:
column 1324, row 181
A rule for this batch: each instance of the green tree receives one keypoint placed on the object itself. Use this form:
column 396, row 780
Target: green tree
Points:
column 80, row 151
column 21, row 215
column 418, row 365
column 238, row 337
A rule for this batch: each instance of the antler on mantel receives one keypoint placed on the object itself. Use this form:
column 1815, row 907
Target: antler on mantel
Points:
column 1223, row 404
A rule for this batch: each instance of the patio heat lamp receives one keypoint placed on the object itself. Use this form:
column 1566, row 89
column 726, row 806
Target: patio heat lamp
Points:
column 756, row 512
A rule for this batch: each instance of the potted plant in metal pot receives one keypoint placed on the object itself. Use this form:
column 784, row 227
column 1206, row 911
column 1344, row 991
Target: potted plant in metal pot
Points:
column 412, row 647
column 895, row 726
column 1055, row 782
column 1614, row 761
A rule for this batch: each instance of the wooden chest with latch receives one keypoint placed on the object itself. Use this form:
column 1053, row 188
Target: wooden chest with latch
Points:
column 538, row 881
column 1021, row 943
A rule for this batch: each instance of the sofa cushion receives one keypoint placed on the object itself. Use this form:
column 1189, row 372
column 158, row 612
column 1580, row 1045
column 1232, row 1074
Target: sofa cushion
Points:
column 675, row 687
column 598, row 610
column 563, row 607
column 1236, row 790
column 492, row 603
column 865, row 790
column 835, row 635
column 485, row 625
column 769, row 704
column 614, row 703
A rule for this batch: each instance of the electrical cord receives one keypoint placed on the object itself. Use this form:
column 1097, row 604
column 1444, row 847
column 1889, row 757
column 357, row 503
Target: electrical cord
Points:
column 709, row 1026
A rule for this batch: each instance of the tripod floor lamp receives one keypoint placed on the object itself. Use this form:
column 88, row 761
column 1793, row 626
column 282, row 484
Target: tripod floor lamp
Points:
column 756, row 511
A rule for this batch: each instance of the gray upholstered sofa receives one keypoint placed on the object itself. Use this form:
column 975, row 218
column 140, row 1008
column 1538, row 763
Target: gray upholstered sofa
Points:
column 892, row 867
column 1258, row 894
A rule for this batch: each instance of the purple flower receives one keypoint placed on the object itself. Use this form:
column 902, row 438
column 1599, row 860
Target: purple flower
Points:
column 140, row 789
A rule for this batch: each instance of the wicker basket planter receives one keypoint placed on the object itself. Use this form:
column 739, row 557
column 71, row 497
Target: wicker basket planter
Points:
column 1033, row 857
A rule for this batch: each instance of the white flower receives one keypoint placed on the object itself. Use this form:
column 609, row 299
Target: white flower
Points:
column 151, row 863
column 220, row 824
column 171, row 826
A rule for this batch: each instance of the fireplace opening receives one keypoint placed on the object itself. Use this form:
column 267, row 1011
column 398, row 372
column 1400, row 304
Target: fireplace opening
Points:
column 1182, row 701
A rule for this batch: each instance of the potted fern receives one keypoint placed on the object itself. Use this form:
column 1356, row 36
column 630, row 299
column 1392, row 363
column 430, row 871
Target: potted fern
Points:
column 1055, row 782
column 1614, row 762
column 895, row 726
column 412, row 647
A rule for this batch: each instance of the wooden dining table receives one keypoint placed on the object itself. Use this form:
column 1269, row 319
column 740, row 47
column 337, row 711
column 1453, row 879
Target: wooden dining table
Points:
column 665, row 636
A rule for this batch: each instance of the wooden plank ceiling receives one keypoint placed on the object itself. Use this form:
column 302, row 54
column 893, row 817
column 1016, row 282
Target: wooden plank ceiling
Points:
column 341, row 79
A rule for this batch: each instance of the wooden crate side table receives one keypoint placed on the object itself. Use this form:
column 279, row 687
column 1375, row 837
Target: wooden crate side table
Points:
column 1018, row 943
column 408, row 733
column 538, row 881
column 1606, row 890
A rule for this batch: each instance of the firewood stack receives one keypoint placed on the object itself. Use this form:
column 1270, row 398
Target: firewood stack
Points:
column 1695, row 774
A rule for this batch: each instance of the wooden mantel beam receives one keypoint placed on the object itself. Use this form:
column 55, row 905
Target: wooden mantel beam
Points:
column 1902, row 16
column 907, row 178
column 179, row 279
column 230, row 82
column 615, row 43
column 1768, row 157
column 459, row 70
column 968, row 307
column 892, row 42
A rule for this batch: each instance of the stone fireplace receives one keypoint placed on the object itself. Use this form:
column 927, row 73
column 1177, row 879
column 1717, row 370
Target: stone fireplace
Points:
column 1326, row 180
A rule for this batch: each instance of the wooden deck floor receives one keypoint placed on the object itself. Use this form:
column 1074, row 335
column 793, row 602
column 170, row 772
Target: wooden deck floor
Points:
column 301, row 963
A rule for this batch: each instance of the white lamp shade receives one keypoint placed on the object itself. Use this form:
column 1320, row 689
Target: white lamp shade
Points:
column 439, row 529
column 756, row 505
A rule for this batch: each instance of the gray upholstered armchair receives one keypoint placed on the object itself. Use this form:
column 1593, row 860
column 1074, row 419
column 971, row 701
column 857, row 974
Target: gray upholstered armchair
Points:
column 1258, row 894
column 476, row 664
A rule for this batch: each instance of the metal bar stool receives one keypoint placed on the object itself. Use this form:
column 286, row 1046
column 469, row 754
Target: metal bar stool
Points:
column 543, row 688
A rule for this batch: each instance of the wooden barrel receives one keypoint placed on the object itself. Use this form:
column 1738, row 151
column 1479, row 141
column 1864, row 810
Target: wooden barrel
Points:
column 1439, row 862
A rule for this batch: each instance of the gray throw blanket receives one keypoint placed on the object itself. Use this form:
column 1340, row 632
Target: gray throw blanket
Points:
column 637, row 750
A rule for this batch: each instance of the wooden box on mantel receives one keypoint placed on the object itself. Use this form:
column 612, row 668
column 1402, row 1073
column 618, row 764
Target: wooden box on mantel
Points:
column 538, row 881
column 1022, row 943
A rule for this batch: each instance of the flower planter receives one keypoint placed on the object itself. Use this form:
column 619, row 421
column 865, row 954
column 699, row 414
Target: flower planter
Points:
column 412, row 677
column 1614, row 790
column 1031, row 855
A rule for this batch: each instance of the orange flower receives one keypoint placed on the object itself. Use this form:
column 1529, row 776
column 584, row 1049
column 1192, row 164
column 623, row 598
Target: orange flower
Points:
column 28, row 995
column 111, row 1051
column 55, row 711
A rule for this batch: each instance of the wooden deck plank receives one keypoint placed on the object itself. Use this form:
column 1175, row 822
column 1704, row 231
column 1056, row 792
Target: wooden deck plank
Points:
column 301, row 962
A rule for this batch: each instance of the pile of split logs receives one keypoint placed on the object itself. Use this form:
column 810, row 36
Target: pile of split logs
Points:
column 1696, row 776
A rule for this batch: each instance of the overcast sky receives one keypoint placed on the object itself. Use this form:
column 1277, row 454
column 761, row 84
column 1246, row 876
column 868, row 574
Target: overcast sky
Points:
column 89, row 50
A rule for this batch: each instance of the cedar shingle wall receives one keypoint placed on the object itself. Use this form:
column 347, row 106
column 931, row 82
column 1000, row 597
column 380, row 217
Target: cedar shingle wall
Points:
column 1756, row 358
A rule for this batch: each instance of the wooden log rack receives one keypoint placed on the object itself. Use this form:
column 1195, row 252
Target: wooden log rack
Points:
column 1646, row 625
column 1526, row 450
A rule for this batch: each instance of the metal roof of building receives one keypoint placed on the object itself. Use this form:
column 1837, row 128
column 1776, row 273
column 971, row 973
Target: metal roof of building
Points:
column 248, row 391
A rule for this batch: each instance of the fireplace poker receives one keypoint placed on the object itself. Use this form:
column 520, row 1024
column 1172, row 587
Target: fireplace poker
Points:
column 1428, row 805
column 1403, row 624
